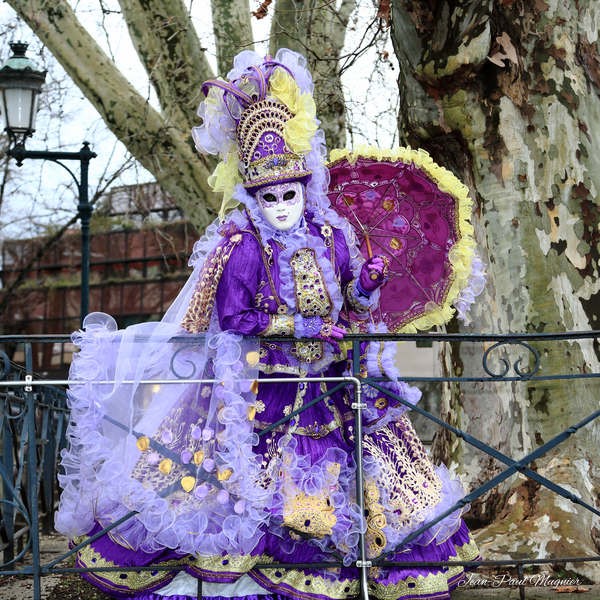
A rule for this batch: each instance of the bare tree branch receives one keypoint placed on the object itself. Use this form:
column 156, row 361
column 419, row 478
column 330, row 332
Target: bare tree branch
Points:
column 168, row 46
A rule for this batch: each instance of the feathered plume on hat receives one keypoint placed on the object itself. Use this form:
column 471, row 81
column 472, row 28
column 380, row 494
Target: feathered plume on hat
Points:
column 260, row 121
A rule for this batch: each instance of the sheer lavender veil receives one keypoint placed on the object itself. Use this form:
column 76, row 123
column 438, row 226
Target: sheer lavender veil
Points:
column 145, row 439
column 135, row 445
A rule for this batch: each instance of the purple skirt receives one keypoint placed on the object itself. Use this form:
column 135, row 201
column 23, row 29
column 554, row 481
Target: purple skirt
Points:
column 337, row 582
column 314, row 517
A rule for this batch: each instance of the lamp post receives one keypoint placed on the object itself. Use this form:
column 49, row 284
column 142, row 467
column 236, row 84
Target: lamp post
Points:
column 20, row 86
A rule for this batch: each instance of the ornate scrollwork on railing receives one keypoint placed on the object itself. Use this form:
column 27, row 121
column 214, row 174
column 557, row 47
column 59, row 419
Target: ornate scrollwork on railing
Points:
column 8, row 507
column 182, row 366
column 5, row 364
column 520, row 372
column 13, row 405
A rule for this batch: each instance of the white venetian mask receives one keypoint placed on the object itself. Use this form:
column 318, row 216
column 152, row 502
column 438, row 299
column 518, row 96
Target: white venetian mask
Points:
column 282, row 205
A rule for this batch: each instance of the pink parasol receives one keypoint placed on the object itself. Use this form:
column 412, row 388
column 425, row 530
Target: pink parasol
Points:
column 416, row 214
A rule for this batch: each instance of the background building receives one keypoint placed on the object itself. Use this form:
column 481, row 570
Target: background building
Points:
column 139, row 249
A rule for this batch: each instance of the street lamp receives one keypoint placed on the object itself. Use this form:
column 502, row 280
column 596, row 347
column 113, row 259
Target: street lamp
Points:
column 20, row 86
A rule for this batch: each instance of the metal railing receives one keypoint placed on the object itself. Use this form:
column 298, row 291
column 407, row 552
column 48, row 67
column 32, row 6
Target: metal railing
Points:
column 33, row 418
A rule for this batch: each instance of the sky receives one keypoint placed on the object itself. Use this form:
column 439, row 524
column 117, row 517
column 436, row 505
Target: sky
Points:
column 41, row 194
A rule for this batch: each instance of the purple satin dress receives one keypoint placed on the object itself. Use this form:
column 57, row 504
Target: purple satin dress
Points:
column 303, row 466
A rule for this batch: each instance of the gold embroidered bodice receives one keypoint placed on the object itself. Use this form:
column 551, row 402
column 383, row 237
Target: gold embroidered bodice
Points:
column 312, row 297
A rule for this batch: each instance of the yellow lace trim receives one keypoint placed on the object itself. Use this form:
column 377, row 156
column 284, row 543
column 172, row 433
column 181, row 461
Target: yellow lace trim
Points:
column 312, row 296
column 230, row 563
column 301, row 128
column 312, row 515
column 316, row 430
column 406, row 471
column 416, row 587
column 224, row 179
column 283, row 369
column 306, row 585
column 462, row 253
column 376, row 521
column 468, row 551
column 431, row 584
column 308, row 351
column 117, row 580
column 355, row 303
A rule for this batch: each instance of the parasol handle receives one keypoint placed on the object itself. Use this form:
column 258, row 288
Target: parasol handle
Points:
column 373, row 276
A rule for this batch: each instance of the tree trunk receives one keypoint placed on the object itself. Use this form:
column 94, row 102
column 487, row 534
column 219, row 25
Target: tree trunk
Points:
column 168, row 47
column 233, row 31
column 506, row 95
column 317, row 30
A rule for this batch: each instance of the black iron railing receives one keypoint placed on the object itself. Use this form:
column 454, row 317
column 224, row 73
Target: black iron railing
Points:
column 33, row 419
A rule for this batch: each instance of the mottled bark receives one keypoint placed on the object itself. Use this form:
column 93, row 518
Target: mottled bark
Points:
column 233, row 31
column 161, row 147
column 507, row 95
column 168, row 47
column 317, row 30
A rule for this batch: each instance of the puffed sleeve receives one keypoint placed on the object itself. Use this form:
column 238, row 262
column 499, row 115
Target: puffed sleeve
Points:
column 236, row 293
column 342, row 258
column 356, row 302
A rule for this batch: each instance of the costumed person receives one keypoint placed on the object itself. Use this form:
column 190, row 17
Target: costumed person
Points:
column 203, row 442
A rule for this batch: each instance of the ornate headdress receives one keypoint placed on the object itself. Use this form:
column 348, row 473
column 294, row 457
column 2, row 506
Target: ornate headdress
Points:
column 260, row 121
column 264, row 155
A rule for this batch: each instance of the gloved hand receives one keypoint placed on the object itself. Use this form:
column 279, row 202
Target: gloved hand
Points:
column 317, row 327
column 330, row 331
column 373, row 274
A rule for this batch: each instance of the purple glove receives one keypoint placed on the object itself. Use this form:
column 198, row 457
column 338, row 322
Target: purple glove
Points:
column 331, row 332
column 316, row 327
column 373, row 274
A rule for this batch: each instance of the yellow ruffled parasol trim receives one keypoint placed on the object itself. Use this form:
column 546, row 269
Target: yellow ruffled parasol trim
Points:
column 462, row 253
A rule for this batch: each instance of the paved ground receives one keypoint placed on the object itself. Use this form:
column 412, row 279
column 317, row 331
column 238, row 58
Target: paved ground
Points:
column 21, row 588
column 498, row 586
